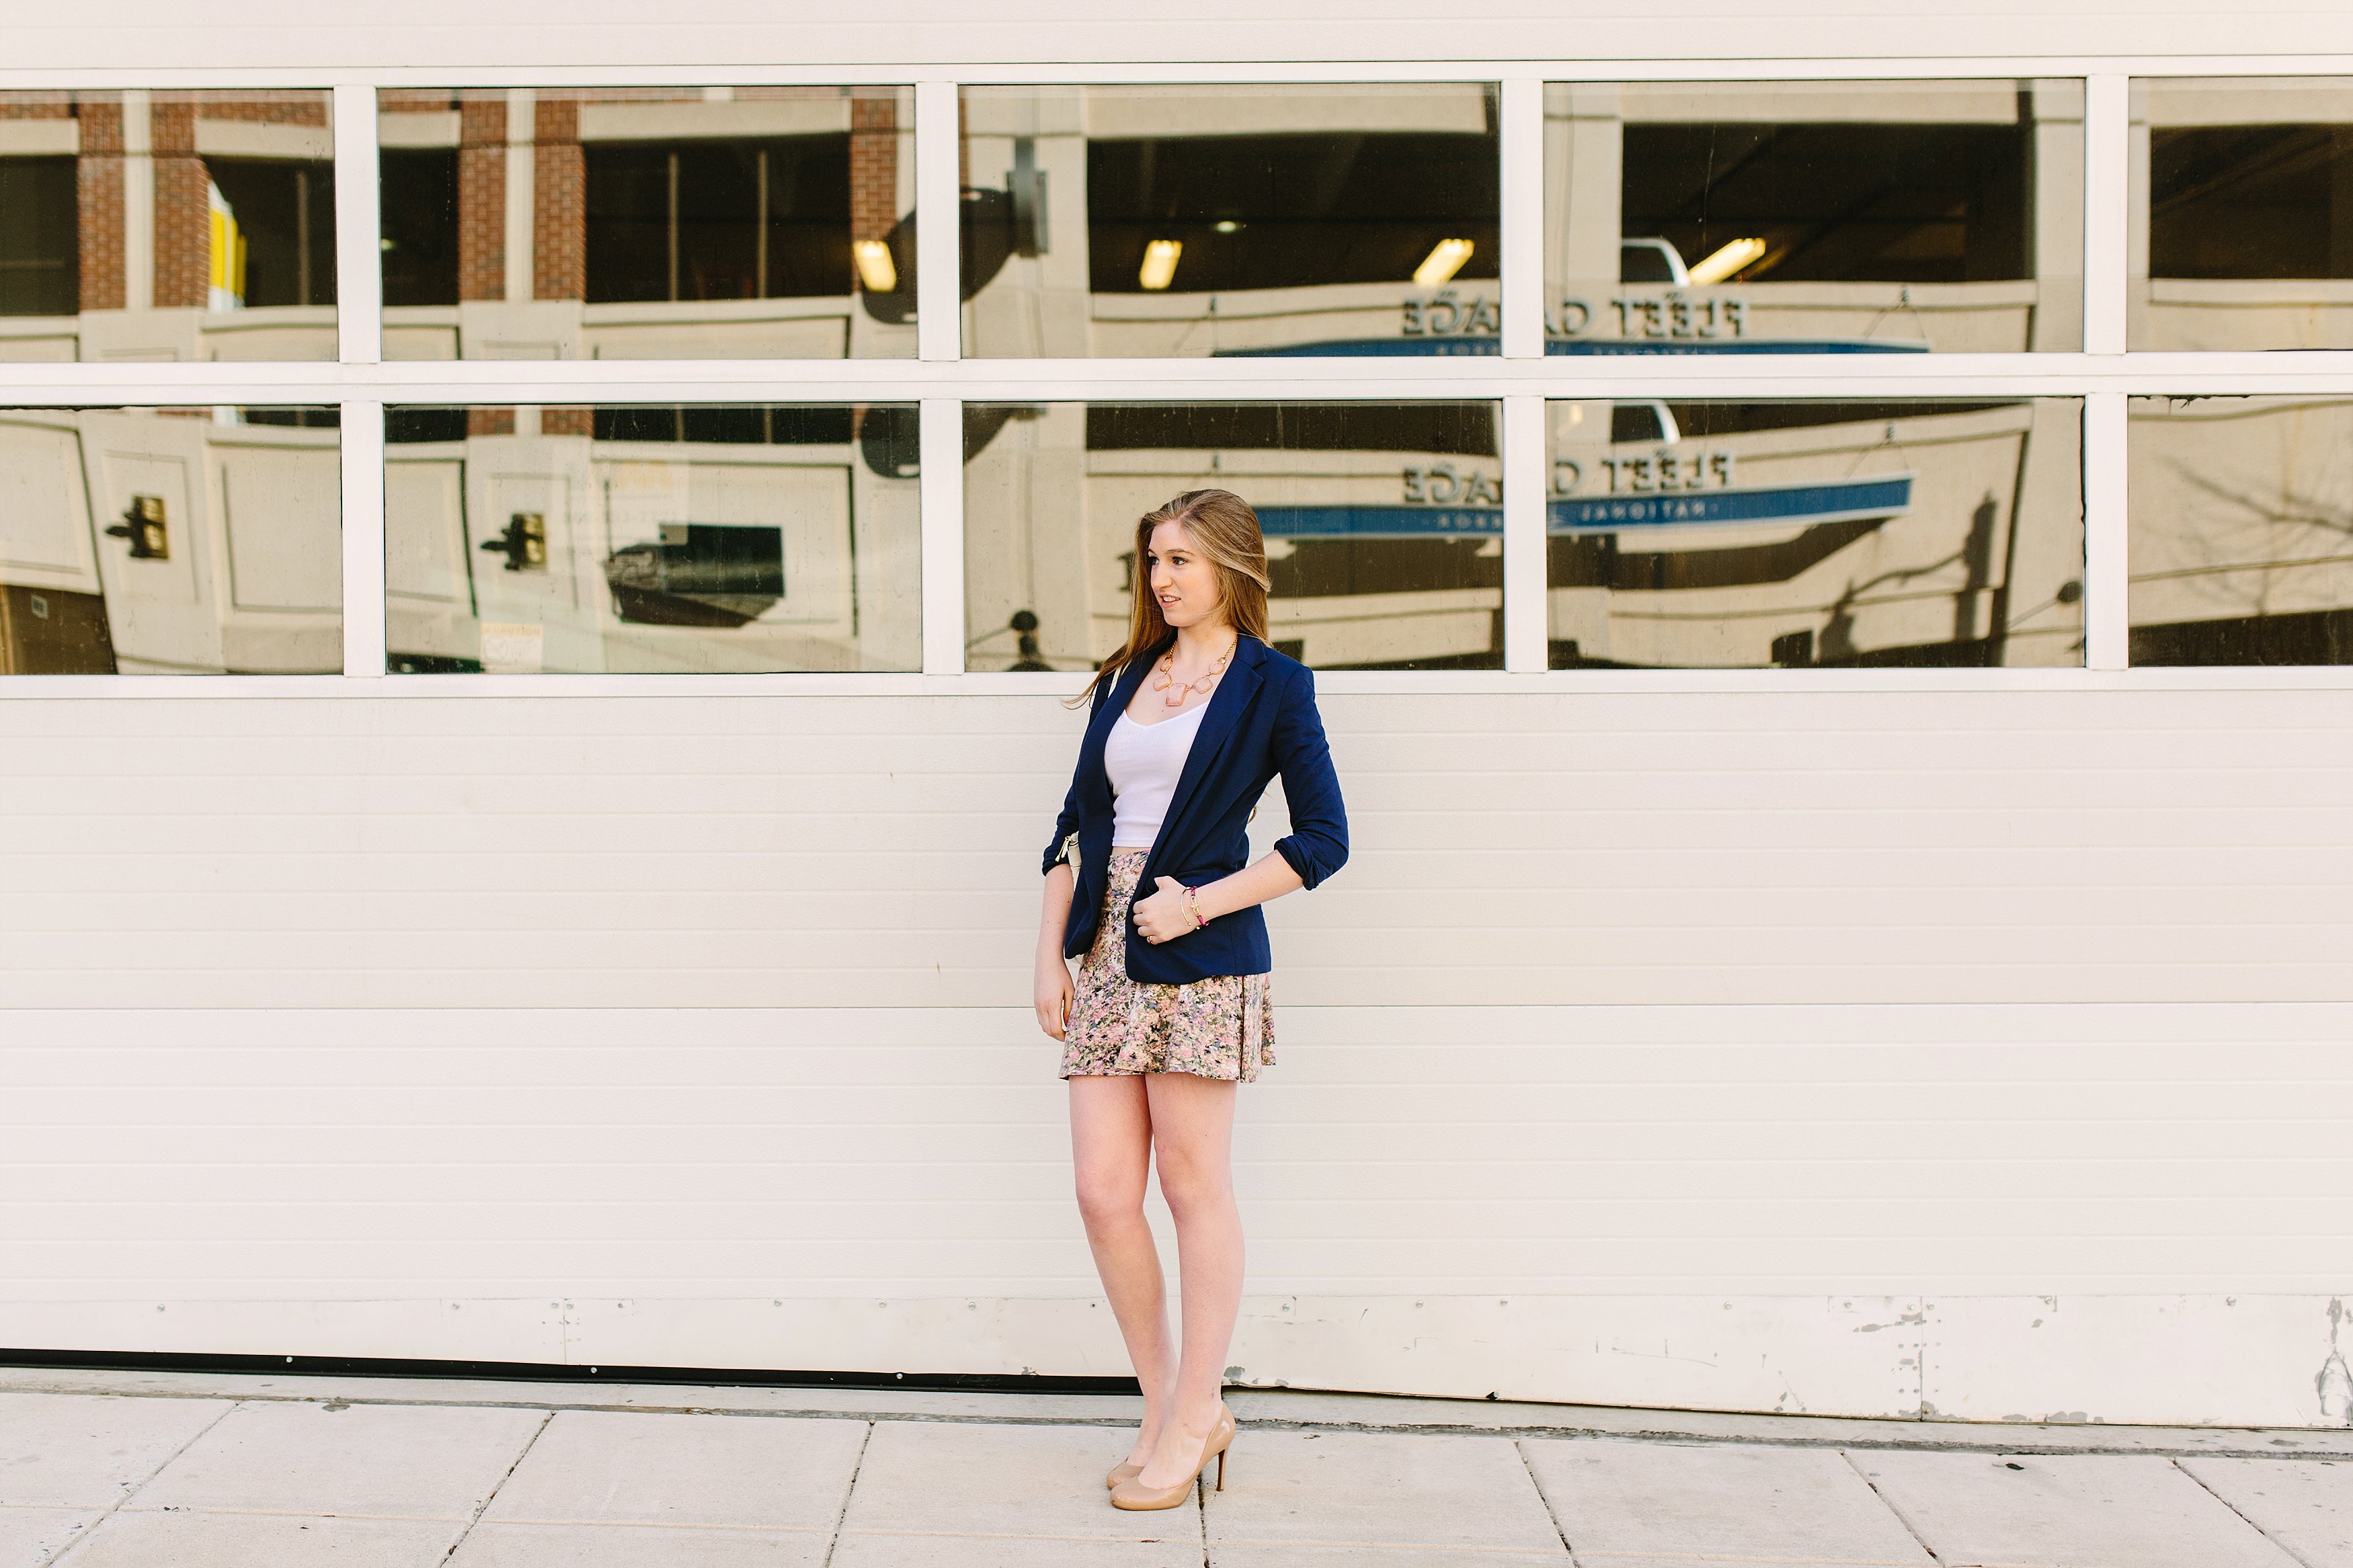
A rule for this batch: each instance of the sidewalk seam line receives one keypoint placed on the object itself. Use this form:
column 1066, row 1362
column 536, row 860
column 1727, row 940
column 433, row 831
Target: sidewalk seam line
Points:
column 1992, row 1444
column 1889, row 1504
column 1201, row 1493
column 76, row 1544
column 665, row 1524
column 1520, row 1447
column 491, row 1496
column 1037, row 1535
column 2281, row 1546
column 224, row 1512
column 841, row 1515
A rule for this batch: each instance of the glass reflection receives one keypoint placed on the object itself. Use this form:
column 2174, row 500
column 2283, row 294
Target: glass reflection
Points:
column 1813, row 218
column 648, row 223
column 1789, row 533
column 170, row 540
column 519, row 540
column 1159, row 221
column 2242, row 233
column 166, row 225
column 1383, row 523
column 2242, row 514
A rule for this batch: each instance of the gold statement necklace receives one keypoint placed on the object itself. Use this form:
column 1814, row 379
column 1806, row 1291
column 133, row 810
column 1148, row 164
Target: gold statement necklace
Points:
column 1168, row 676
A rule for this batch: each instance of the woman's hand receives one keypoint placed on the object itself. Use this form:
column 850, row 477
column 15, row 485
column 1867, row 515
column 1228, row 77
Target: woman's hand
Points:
column 1162, row 916
column 1054, row 995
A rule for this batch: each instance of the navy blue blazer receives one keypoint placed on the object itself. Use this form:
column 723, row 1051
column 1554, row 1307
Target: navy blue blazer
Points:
column 1260, row 721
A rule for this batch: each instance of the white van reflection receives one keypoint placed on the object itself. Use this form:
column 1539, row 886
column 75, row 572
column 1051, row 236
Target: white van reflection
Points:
column 1636, row 474
column 1658, row 308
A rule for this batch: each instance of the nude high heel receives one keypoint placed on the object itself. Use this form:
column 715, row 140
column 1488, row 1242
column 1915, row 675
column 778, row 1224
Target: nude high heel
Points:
column 1129, row 1495
column 1122, row 1472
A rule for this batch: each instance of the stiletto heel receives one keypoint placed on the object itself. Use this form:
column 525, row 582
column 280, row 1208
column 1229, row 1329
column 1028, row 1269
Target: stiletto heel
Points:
column 1130, row 1494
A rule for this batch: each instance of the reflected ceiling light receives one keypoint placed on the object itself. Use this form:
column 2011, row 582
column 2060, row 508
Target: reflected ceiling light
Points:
column 1226, row 226
column 1727, row 262
column 1159, row 266
column 875, row 267
column 1444, row 261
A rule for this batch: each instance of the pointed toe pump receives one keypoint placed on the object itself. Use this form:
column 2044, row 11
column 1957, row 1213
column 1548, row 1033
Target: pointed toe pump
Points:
column 1132, row 1495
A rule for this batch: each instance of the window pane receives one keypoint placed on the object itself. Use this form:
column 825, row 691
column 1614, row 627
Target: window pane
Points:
column 1146, row 221
column 659, row 539
column 167, row 226
column 1383, row 522
column 1825, row 217
column 2242, row 220
column 1709, row 535
column 655, row 222
column 2242, row 514
column 170, row 540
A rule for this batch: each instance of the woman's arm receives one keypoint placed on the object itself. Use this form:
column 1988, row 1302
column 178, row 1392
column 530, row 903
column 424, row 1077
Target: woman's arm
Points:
column 1316, row 846
column 1052, row 990
column 1162, row 917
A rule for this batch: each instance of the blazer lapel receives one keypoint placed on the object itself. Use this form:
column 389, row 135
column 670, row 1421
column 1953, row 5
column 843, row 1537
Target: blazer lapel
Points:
column 1226, row 704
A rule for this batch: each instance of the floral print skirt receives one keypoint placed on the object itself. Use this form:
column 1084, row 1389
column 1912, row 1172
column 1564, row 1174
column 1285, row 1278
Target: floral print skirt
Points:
column 1220, row 1028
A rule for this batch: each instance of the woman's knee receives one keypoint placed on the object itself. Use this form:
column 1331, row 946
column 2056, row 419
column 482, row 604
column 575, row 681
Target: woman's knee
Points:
column 1109, row 1198
column 1192, row 1186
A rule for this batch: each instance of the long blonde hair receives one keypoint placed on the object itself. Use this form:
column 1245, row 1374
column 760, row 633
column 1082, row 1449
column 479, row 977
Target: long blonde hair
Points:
column 1225, row 531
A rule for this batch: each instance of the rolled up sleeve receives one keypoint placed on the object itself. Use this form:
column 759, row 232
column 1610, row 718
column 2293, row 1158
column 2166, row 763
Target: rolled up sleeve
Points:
column 1317, row 844
column 1067, row 822
column 1064, row 825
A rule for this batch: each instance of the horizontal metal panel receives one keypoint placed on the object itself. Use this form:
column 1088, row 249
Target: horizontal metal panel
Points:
column 895, row 1149
column 136, row 34
column 1541, row 848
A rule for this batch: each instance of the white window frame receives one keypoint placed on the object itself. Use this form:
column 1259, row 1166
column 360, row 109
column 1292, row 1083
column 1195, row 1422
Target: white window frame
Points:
column 2104, row 374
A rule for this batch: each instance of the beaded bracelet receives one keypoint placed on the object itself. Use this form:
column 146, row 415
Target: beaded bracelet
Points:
column 1193, row 908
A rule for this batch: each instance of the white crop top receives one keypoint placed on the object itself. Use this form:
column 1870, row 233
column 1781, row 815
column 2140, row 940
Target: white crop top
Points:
column 1143, row 762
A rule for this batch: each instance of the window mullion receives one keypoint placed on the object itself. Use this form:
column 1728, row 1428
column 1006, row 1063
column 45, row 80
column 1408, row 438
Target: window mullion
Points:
column 941, row 435
column 1527, row 612
column 361, row 447
column 2107, row 139
column 939, row 215
column 2106, row 557
column 359, row 283
column 1523, row 216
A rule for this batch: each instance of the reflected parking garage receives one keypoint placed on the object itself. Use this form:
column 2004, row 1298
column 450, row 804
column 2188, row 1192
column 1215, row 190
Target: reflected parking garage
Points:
column 142, row 225
column 1141, row 221
column 1813, row 218
column 2242, row 232
column 1792, row 533
column 1383, row 524
column 2241, row 529
column 170, row 540
column 648, row 223
column 524, row 540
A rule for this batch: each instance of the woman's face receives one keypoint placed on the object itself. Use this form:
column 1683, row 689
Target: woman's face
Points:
column 1182, row 578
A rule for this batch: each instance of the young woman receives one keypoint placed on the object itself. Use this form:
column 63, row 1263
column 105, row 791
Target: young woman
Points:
column 1189, row 720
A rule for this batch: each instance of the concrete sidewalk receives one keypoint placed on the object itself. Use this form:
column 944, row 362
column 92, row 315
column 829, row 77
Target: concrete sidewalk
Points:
column 159, row 1471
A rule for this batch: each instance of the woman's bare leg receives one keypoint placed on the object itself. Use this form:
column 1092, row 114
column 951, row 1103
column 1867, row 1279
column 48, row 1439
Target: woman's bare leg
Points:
column 1111, row 1152
column 1192, row 1127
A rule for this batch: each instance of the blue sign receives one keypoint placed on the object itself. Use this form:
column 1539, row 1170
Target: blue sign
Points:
column 1788, row 505
column 1731, row 346
column 1378, row 348
column 1843, row 501
column 1423, row 348
column 1380, row 521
